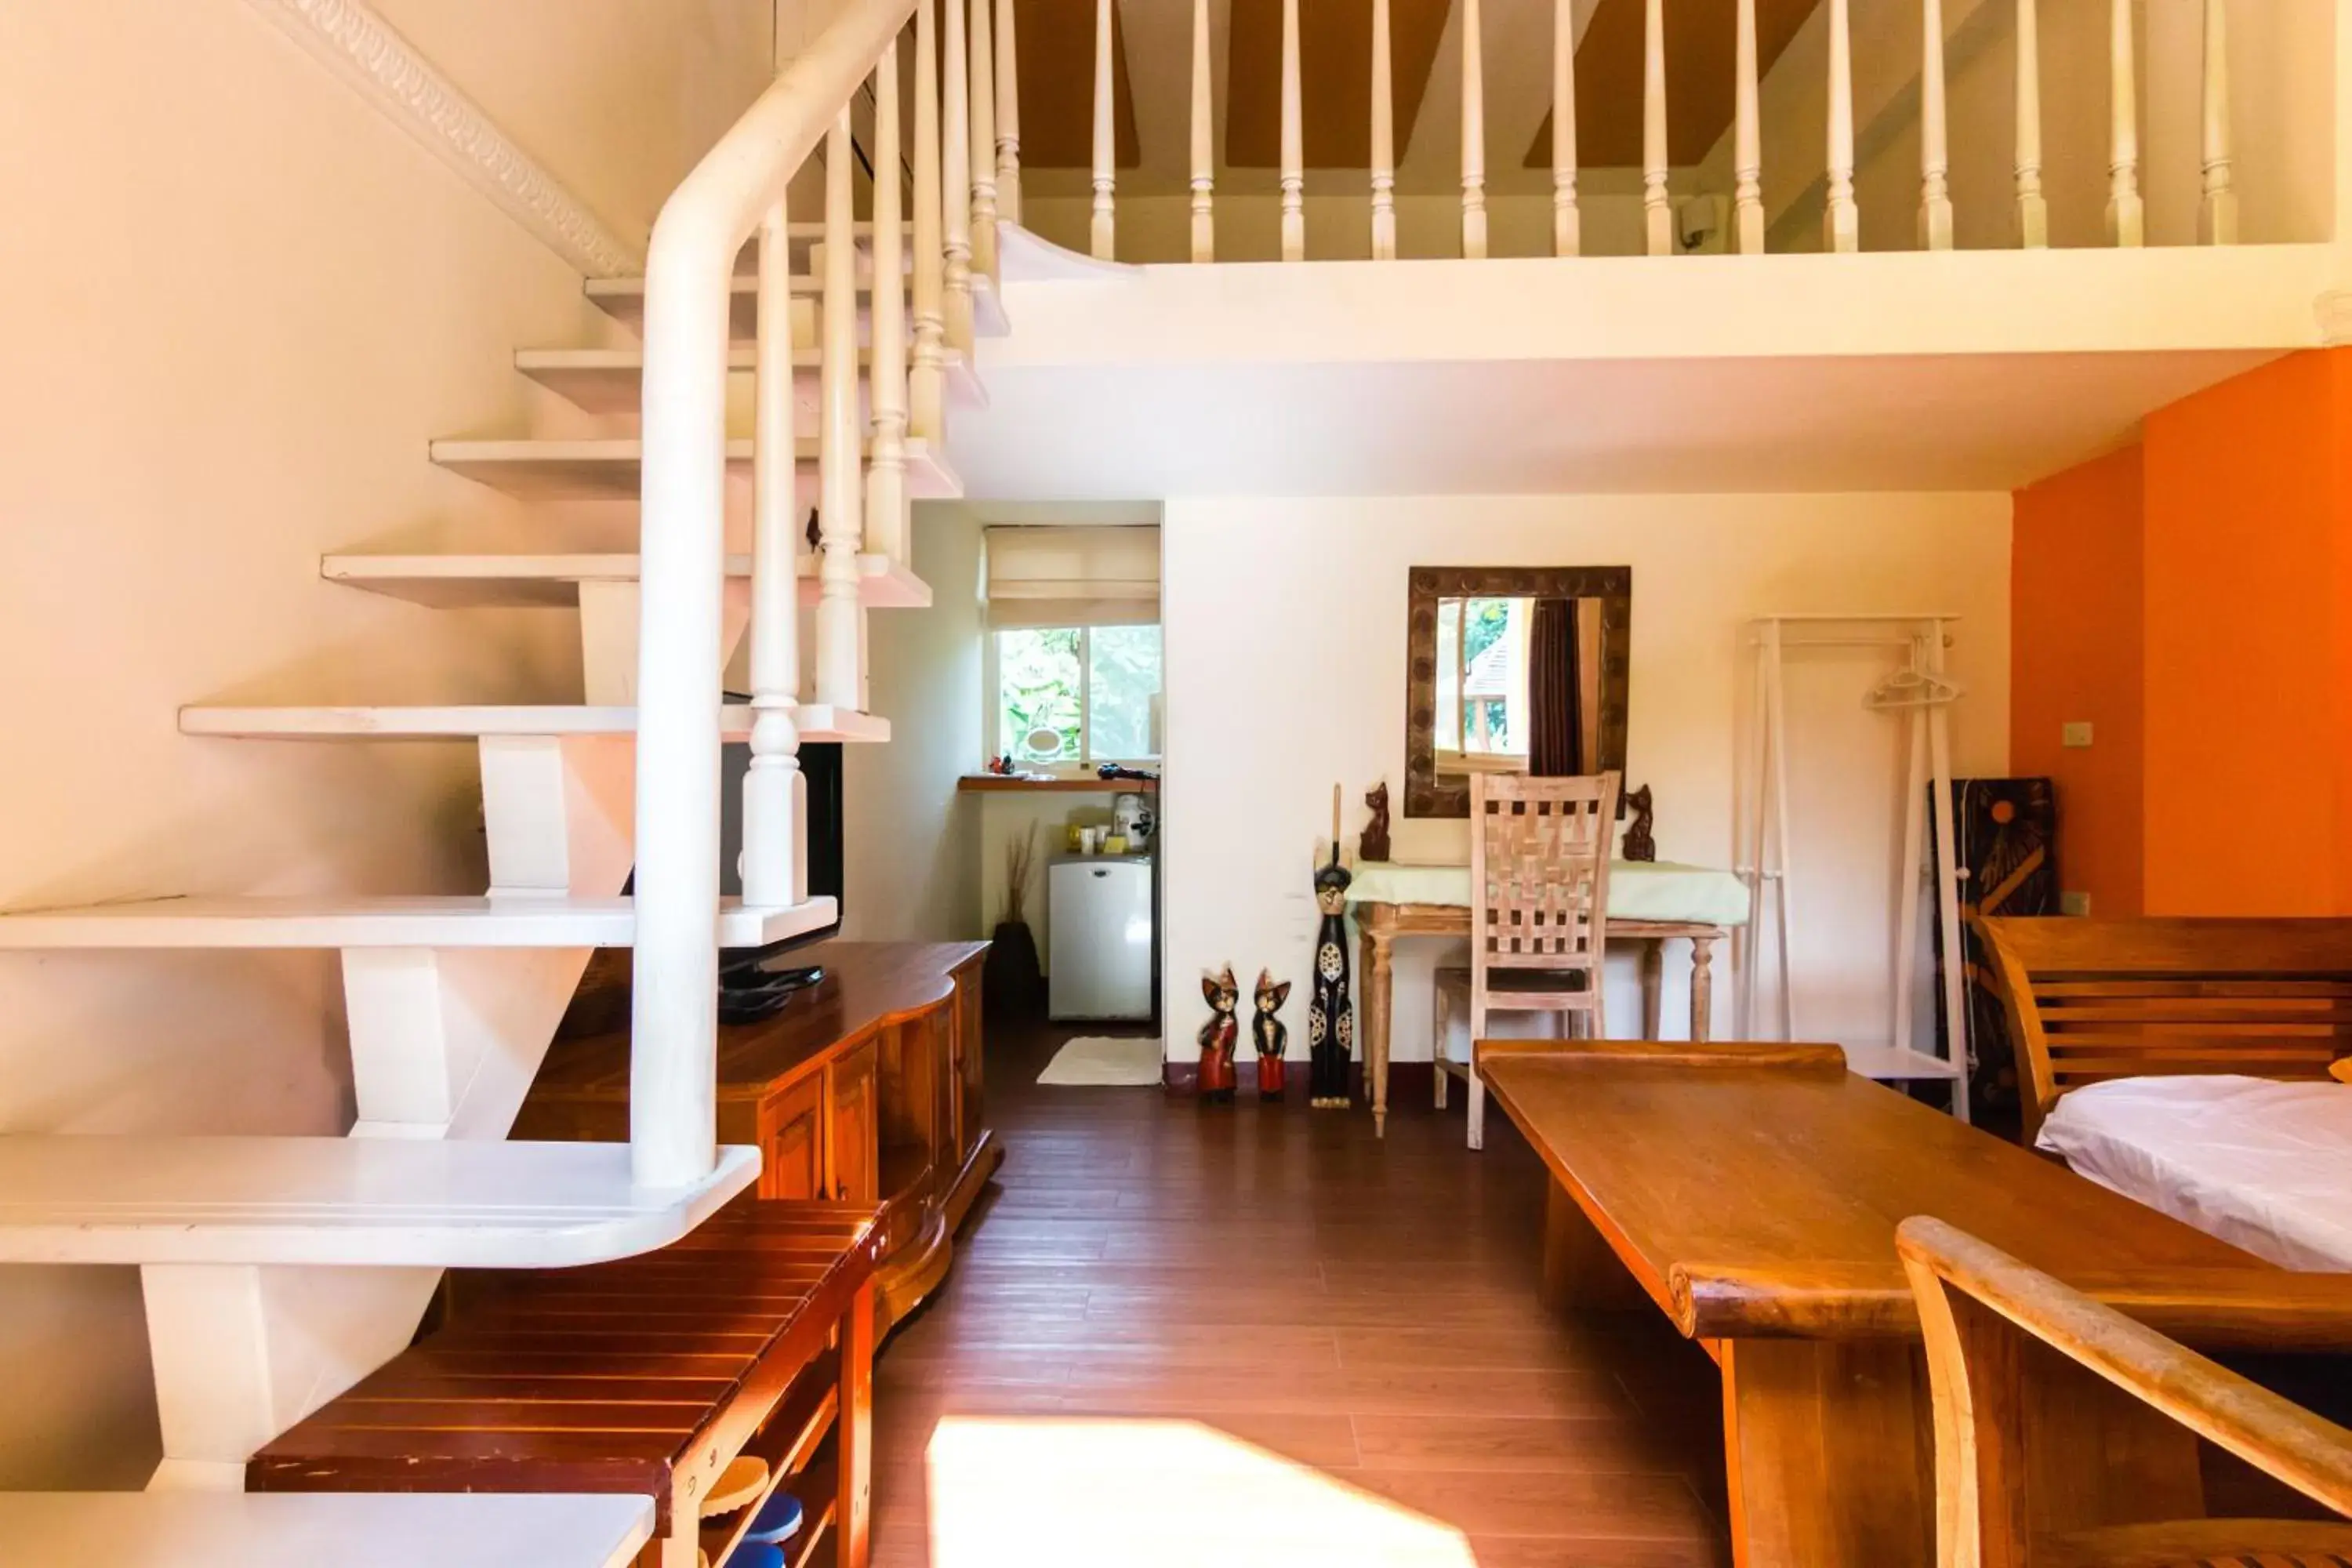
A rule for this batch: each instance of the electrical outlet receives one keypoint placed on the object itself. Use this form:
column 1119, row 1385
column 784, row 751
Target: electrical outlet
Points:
column 2074, row 903
column 2077, row 733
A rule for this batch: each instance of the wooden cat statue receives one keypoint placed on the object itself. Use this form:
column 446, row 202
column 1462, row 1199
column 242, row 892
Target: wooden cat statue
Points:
column 1220, row 1035
column 1271, row 1039
column 1330, row 1015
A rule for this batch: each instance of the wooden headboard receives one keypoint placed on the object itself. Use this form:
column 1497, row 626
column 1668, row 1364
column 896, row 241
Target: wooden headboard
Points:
column 2092, row 999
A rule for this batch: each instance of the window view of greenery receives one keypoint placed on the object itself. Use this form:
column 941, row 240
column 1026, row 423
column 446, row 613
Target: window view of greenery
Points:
column 1092, row 687
column 1473, row 706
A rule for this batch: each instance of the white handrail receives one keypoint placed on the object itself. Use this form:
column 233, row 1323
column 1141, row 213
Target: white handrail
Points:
column 673, row 1063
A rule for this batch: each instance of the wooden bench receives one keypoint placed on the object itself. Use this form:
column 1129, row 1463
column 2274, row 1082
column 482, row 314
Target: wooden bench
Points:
column 753, row 1335
column 1752, row 1192
column 2095, row 999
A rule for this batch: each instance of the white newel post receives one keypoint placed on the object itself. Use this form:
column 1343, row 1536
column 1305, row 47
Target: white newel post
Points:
column 1843, row 221
column 1205, row 141
column 1103, row 232
column 2217, row 215
column 1657, row 206
column 887, row 516
column 1935, row 156
column 1383, row 139
column 840, row 515
column 2126, row 216
column 2033, row 207
column 955, row 157
column 771, row 850
column 1008, row 117
column 1748, row 139
column 1294, row 155
column 983, row 143
column 927, row 383
column 1567, row 222
column 1474, row 135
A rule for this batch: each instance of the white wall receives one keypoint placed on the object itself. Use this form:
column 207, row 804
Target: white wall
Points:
column 1286, row 628
column 912, row 845
column 241, row 303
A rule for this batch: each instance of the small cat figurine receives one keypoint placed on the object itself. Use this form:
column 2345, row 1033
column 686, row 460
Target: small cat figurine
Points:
column 1220, row 1035
column 1271, row 1039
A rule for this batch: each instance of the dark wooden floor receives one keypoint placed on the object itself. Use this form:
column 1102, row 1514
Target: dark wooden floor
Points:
column 1243, row 1335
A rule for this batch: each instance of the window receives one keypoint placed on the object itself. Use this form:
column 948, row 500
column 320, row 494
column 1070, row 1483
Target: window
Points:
column 1072, row 697
column 1483, row 715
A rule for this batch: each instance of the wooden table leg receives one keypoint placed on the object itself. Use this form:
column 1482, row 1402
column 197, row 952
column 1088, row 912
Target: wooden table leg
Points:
column 1831, row 1453
column 1702, row 997
column 854, row 1436
column 1580, row 1272
column 1374, row 1007
column 1654, row 984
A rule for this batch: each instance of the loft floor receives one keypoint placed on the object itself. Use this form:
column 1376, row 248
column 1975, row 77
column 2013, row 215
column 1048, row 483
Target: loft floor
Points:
column 1179, row 1334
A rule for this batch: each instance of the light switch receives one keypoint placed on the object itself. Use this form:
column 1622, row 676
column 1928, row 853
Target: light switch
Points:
column 2074, row 903
column 2077, row 733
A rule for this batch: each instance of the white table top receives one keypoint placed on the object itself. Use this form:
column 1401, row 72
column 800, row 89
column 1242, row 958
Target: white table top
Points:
column 1638, row 889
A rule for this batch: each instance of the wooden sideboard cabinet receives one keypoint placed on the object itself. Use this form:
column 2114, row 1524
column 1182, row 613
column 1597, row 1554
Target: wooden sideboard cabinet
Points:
column 866, row 1090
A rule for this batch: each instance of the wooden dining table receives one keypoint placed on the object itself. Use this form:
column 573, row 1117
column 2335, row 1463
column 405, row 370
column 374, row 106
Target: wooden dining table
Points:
column 1651, row 903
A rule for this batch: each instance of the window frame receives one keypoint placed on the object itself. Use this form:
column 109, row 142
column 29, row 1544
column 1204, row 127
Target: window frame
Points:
column 992, row 702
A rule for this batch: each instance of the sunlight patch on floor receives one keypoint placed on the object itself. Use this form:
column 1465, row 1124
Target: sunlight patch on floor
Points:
column 1047, row 1493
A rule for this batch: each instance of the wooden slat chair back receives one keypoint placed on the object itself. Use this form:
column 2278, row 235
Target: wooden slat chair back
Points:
column 1978, row 1310
column 2094, row 999
column 1540, row 853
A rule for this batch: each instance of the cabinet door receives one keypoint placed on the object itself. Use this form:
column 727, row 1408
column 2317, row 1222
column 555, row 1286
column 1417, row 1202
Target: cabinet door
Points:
column 793, row 1139
column 853, row 1137
column 969, row 1065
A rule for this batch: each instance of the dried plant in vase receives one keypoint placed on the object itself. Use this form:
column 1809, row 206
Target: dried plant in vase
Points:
column 1012, row 986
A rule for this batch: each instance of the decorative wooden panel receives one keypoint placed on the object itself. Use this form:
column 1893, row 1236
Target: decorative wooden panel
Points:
column 1334, row 69
column 1701, row 38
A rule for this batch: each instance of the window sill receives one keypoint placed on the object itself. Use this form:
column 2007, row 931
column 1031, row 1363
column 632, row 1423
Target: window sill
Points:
column 988, row 783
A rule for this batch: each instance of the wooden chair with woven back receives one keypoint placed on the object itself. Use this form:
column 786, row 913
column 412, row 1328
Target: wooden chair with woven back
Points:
column 1539, row 922
column 2003, row 1502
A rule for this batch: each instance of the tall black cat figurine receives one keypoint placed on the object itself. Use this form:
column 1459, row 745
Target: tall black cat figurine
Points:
column 1331, row 1018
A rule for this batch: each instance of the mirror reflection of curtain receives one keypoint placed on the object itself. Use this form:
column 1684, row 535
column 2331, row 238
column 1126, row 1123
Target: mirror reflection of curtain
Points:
column 1555, row 690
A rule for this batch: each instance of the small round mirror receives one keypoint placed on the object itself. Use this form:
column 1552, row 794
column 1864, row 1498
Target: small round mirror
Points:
column 1044, row 740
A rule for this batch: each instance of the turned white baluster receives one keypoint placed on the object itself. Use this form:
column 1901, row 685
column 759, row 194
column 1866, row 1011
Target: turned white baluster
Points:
column 1008, row 117
column 772, row 853
column 1567, row 222
column 840, row 514
column 1294, row 154
column 1384, row 140
column 1843, row 221
column 887, row 516
column 2217, row 217
column 2032, row 208
column 1657, row 206
column 2126, row 216
column 983, row 144
column 1934, row 158
column 1205, row 141
column 1102, row 236
column 1474, row 135
column 927, row 383
column 955, row 178
column 1747, row 139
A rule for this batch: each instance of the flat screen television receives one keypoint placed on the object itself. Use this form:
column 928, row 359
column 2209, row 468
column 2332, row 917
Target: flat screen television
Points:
column 821, row 767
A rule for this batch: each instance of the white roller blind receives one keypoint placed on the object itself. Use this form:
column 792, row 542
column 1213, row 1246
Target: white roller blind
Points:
column 1097, row 575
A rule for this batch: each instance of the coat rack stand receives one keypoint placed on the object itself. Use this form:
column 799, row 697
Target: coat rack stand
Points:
column 1760, row 832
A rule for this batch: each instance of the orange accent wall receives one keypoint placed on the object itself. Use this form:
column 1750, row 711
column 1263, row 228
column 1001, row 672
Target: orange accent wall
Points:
column 2075, row 654
column 2248, row 673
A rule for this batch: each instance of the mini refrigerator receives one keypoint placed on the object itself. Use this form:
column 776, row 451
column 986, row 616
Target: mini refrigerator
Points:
column 1098, row 960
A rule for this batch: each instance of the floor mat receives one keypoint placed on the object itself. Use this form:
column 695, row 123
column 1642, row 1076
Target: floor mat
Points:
column 1098, row 1061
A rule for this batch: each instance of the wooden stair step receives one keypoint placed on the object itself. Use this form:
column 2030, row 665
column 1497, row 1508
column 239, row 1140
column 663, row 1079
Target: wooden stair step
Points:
column 612, row 469
column 342, row 1202
column 543, row 582
column 816, row 722
column 321, row 923
column 624, row 300
column 612, row 381
column 301, row 1530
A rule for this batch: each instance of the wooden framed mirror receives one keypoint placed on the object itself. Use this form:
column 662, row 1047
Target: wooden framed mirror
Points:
column 1512, row 670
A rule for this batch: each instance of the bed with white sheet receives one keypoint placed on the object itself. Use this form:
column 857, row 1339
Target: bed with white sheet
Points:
column 2263, row 1164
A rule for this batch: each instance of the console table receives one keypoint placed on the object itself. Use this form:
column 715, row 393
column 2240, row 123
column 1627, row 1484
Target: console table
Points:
column 1650, row 901
column 864, row 1090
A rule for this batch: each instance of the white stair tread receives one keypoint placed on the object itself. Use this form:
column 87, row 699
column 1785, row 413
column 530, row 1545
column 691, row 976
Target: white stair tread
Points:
column 612, row 381
column 347, row 1201
column 303, row 1530
column 609, row 468
column 340, row 920
column 624, row 298
column 816, row 722
column 529, row 582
